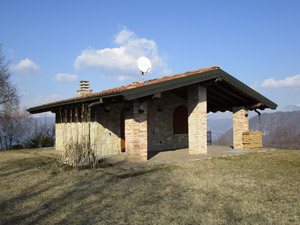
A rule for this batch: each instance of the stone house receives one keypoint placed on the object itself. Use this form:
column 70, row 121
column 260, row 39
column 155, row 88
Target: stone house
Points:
column 160, row 114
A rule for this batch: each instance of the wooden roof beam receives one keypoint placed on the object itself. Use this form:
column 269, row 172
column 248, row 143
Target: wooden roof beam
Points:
column 255, row 106
column 226, row 91
column 222, row 96
column 212, row 98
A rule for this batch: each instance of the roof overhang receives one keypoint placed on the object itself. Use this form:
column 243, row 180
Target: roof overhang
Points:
column 223, row 93
column 53, row 106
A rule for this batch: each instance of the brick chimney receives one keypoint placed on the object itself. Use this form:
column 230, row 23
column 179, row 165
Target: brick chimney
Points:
column 84, row 88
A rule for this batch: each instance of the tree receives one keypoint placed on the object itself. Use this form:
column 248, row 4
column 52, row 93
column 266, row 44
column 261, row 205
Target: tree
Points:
column 42, row 134
column 8, row 92
column 17, row 127
column 14, row 128
column 8, row 101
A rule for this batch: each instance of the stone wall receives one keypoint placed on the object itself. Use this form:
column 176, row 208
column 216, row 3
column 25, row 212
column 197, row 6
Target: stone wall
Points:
column 71, row 125
column 160, row 123
column 106, row 130
column 66, row 133
column 103, row 130
column 148, row 131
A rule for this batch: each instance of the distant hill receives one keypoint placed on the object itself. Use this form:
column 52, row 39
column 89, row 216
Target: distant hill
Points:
column 48, row 120
column 218, row 127
column 280, row 129
column 290, row 108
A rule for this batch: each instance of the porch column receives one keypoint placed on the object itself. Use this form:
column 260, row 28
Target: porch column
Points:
column 136, row 137
column 197, row 109
column 240, row 125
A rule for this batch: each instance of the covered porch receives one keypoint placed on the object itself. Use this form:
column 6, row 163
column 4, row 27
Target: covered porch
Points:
column 152, row 123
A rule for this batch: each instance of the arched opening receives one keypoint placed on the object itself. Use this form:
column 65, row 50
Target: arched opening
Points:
column 180, row 120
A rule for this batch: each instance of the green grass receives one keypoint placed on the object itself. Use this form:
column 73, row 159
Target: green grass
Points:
column 256, row 188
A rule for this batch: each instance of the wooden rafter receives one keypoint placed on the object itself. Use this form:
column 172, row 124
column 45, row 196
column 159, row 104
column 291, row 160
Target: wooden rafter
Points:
column 230, row 93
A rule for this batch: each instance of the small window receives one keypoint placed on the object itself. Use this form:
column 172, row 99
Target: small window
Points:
column 180, row 120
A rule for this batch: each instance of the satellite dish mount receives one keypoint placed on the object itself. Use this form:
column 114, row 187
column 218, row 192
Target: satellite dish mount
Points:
column 144, row 65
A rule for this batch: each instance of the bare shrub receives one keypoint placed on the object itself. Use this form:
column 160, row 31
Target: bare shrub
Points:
column 80, row 154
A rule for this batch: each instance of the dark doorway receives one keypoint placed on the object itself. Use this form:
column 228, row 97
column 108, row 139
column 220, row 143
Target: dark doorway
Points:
column 180, row 120
column 123, row 131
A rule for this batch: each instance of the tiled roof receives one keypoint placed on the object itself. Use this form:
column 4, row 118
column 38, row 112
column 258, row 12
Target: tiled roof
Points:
column 131, row 86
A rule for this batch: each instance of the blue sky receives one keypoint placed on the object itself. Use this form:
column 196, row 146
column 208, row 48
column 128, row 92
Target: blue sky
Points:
column 51, row 45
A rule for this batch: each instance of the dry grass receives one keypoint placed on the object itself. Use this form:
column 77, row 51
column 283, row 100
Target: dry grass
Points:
column 257, row 188
column 79, row 154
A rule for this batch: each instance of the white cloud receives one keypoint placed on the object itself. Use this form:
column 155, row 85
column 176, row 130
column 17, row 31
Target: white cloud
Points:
column 121, row 61
column 122, row 78
column 64, row 77
column 124, row 36
column 26, row 67
column 293, row 81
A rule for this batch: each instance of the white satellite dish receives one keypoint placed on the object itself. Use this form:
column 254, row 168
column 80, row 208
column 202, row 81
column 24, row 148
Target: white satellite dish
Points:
column 144, row 65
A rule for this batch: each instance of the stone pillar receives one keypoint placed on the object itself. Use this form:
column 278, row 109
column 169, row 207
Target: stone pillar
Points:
column 136, row 137
column 197, row 109
column 240, row 125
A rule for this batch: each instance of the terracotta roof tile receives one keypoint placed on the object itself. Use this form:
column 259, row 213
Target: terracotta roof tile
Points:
column 133, row 85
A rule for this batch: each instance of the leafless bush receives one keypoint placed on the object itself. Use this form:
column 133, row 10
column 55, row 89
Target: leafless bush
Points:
column 79, row 154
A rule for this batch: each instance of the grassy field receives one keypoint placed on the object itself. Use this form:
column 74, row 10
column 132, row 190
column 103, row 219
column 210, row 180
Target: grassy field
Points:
column 256, row 188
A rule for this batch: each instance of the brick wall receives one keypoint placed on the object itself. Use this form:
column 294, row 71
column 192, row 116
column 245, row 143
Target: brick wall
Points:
column 240, row 125
column 197, row 108
column 136, row 135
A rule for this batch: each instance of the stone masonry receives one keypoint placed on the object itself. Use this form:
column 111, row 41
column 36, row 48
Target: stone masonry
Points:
column 160, row 123
column 240, row 125
column 197, row 109
column 103, row 130
column 68, row 129
column 136, row 138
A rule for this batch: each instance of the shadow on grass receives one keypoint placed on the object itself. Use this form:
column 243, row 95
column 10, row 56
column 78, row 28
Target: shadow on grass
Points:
column 112, row 195
column 22, row 165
